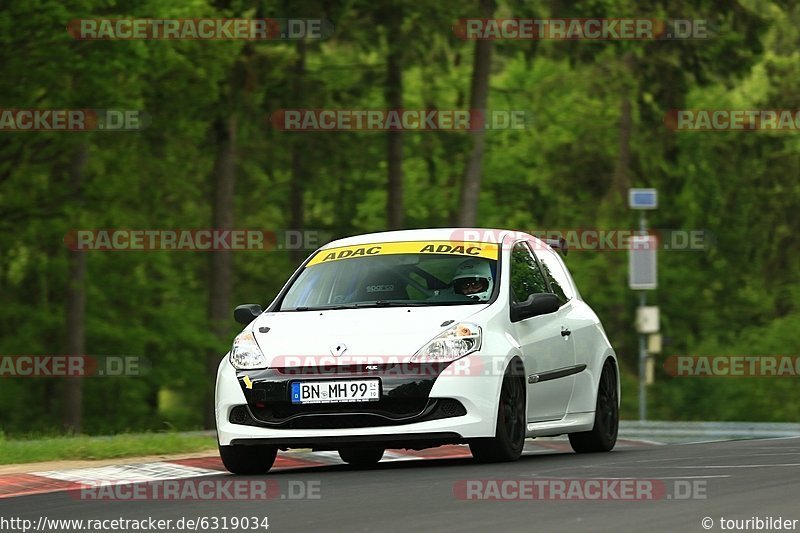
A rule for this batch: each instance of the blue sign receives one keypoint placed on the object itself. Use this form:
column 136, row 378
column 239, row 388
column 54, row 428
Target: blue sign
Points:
column 642, row 198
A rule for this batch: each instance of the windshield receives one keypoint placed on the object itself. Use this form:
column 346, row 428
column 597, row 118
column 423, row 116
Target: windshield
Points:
column 395, row 274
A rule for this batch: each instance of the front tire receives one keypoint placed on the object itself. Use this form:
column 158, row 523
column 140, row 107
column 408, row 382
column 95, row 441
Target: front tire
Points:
column 603, row 435
column 361, row 457
column 244, row 460
column 509, row 438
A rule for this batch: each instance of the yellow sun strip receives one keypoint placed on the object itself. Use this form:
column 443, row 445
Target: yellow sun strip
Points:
column 486, row 250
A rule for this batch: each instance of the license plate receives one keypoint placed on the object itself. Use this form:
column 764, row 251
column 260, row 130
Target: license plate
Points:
column 362, row 390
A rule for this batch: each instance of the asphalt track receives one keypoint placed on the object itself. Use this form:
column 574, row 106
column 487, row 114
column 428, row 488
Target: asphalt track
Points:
column 741, row 479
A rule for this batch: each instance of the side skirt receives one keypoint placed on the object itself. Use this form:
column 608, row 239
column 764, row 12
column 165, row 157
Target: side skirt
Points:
column 571, row 423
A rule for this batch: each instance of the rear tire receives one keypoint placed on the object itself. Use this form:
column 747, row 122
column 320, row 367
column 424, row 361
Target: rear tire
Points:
column 361, row 457
column 509, row 438
column 603, row 435
column 240, row 459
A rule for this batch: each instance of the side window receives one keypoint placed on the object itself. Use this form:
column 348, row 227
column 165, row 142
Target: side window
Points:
column 556, row 275
column 526, row 278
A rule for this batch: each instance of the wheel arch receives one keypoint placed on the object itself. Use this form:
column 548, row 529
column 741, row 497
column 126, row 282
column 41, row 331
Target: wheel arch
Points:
column 615, row 365
column 512, row 358
column 587, row 383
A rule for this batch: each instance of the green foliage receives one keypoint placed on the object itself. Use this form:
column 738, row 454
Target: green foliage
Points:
column 737, row 297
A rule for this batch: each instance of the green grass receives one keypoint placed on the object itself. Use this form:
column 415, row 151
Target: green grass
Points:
column 82, row 447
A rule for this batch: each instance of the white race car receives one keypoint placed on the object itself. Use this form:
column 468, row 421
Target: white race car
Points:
column 414, row 339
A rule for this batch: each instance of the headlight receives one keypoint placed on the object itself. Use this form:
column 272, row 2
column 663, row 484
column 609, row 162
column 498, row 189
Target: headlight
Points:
column 460, row 340
column 245, row 353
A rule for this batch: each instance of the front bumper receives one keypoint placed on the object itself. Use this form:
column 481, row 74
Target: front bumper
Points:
column 415, row 411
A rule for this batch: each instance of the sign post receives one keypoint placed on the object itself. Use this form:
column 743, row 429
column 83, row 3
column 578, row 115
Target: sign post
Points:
column 643, row 276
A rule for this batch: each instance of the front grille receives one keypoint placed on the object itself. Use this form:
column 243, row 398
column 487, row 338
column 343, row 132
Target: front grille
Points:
column 386, row 407
column 386, row 412
column 337, row 422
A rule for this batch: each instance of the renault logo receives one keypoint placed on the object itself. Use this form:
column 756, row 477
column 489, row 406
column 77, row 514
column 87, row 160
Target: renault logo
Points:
column 338, row 349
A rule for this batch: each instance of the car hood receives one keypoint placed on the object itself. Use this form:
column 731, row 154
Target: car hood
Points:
column 396, row 332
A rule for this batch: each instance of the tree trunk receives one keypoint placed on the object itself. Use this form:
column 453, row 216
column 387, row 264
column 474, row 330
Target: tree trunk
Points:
column 219, row 304
column 76, row 306
column 299, row 155
column 394, row 138
column 622, row 168
column 453, row 181
column 471, row 181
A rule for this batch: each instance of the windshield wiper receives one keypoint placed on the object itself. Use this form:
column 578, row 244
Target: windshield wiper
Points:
column 320, row 307
column 391, row 303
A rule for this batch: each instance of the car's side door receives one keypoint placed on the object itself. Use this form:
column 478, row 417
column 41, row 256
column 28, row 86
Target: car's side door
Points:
column 578, row 318
column 546, row 352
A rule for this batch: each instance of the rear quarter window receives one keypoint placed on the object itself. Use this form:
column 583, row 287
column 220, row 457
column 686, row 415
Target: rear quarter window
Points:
column 556, row 274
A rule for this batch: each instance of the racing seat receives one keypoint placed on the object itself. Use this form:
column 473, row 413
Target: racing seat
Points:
column 381, row 285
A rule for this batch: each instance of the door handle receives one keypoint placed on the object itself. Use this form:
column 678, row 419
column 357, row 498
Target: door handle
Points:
column 565, row 332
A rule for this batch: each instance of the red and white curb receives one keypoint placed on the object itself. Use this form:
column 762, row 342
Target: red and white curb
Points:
column 13, row 485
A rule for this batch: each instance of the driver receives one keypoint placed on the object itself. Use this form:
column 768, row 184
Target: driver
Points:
column 473, row 279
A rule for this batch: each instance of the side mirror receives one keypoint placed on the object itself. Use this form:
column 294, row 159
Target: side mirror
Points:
column 535, row 305
column 244, row 314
